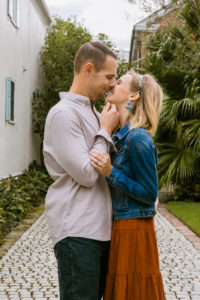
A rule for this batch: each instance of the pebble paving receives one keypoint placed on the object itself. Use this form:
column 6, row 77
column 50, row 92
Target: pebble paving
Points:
column 29, row 270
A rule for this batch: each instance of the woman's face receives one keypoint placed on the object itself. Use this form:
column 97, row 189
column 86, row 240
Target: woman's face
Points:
column 122, row 91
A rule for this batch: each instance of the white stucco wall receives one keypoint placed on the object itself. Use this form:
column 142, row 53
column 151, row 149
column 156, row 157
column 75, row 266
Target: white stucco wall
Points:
column 19, row 50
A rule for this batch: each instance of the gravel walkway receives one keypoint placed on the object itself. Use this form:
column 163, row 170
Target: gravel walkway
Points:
column 28, row 269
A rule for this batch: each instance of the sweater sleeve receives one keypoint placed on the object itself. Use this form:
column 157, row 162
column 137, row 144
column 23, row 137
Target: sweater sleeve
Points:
column 143, row 185
column 71, row 150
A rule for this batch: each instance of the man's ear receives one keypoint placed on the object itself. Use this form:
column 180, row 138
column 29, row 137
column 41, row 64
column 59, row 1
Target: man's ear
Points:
column 134, row 97
column 87, row 68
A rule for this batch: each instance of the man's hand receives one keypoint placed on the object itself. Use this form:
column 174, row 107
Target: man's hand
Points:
column 109, row 118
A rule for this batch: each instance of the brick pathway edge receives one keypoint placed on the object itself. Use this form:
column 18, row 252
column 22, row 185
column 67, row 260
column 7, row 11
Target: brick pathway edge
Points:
column 180, row 227
column 20, row 229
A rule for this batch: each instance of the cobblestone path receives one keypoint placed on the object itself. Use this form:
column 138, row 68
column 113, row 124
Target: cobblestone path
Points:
column 28, row 270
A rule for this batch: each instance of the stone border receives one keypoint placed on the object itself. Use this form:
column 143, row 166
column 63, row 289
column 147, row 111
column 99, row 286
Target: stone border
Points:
column 23, row 226
column 180, row 227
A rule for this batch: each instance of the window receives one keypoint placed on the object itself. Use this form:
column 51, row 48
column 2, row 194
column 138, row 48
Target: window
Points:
column 10, row 99
column 13, row 11
column 139, row 50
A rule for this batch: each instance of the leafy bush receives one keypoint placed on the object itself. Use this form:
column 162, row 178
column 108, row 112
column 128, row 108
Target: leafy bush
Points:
column 19, row 195
column 190, row 193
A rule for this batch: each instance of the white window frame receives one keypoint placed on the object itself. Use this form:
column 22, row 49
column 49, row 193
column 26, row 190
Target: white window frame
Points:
column 13, row 12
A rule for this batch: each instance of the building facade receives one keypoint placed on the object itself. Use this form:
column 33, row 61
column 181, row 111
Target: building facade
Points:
column 141, row 30
column 23, row 26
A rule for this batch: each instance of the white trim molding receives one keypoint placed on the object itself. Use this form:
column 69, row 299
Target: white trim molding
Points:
column 44, row 9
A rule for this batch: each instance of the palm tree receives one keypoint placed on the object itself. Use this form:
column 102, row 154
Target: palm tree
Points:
column 174, row 59
column 179, row 141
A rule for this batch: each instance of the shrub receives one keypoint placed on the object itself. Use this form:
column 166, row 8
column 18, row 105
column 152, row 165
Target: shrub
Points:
column 187, row 192
column 19, row 195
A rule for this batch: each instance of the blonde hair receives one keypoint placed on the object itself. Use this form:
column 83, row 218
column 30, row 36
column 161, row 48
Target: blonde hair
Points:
column 146, row 113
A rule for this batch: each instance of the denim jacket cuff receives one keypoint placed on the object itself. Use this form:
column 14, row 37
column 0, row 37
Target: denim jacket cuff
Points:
column 114, row 174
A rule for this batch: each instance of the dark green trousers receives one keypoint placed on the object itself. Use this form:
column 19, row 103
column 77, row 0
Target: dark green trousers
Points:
column 82, row 268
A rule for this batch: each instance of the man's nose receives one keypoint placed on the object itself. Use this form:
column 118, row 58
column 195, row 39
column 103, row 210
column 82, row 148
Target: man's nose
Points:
column 112, row 85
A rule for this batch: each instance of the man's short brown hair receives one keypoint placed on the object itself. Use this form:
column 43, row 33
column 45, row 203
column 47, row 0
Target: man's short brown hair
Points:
column 95, row 52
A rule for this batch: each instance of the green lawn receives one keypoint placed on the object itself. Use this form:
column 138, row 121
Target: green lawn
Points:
column 188, row 213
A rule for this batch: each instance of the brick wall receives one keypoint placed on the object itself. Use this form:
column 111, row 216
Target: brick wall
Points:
column 171, row 18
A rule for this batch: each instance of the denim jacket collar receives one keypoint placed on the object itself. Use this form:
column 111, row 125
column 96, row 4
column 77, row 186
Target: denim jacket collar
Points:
column 121, row 133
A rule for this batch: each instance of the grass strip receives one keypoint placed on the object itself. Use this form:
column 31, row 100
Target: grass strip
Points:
column 188, row 213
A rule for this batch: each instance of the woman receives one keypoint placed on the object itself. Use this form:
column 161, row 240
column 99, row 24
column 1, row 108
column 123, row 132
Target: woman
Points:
column 133, row 271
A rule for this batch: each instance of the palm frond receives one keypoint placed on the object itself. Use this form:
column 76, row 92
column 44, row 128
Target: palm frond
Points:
column 168, row 119
column 191, row 133
column 185, row 107
column 176, row 164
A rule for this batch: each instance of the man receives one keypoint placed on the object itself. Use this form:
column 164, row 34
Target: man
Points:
column 78, row 204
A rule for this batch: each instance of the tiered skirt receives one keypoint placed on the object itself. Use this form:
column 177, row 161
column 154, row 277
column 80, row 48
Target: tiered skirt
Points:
column 133, row 271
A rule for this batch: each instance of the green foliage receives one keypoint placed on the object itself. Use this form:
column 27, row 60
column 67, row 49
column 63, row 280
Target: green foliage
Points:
column 177, row 163
column 104, row 38
column 178, row 139
column 191, row 15
column 18, row 196
column 189, row 192
column 41, row 105
column 160, row 62
column 62, row 41
column 174, row 59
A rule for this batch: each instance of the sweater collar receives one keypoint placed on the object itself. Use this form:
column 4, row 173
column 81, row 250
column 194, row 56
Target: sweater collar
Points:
column 75, row 98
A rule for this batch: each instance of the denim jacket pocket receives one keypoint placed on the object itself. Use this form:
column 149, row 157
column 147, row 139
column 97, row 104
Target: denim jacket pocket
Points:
column 121, row 156
column 122, row 204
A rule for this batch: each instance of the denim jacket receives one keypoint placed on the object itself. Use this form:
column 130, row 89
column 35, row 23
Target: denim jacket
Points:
column 133, row 179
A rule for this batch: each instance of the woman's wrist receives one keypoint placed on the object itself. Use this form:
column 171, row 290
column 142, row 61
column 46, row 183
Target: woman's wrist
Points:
column 109, row 171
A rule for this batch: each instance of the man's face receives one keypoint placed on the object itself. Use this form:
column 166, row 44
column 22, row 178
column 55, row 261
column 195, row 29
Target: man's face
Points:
column 103, row 81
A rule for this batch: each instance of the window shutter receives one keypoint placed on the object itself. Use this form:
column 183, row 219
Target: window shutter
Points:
column 8, row 99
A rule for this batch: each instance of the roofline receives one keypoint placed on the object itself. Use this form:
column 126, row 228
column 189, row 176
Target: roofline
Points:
column 44, row 9
column 157, row 14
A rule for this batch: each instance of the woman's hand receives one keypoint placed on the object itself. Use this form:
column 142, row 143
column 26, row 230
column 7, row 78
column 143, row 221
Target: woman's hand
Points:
column 156, row 204
column 101, row 162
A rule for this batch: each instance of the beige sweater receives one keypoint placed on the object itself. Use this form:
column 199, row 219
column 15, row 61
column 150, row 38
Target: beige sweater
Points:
column 78, row 203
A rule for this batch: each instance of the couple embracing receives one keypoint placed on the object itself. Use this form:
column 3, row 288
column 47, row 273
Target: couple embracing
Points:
column 105, row 186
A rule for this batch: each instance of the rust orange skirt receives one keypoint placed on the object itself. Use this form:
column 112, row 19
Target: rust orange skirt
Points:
column 133, row 271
